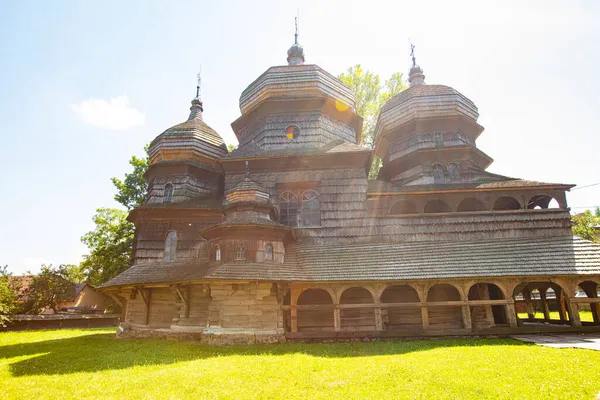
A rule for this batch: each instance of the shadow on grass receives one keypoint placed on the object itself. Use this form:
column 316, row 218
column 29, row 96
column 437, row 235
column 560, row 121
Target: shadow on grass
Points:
column 98, row 352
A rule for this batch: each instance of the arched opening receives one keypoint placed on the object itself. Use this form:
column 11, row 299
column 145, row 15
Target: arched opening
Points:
column 436, row 206
column 315, row 319
column 487, row 316
column 240, row 251
column 542, row 202
column 438, row 173
column 170, row 246
column 168, row 193
column 454, row 172
column 471, row 204
column 541, row 303
column 310, row 211
column 403, row 207
column 506, row 203
column 405, row 318
column 269, row 252
column 357, row 319
column 288, row 207
column 589, row 311
column 444, row 316
column 217, row 253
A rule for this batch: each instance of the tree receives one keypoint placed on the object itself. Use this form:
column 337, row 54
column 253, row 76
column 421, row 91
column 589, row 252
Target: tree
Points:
column 369, row 97
column 75, row 273
column 110, row 244
column 131, row 191
column 231, row 147
column 584, row 225
column 8, row 297
column 49, row 288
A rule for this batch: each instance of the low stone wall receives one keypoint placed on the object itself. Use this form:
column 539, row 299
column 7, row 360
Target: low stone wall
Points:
column 61, row 321
column 213, row 336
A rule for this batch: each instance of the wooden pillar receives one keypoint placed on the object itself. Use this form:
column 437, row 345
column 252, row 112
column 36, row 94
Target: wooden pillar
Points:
column 562, row 309
column 528, row 305
column 425, row 317
column 378, row 320
column 545, row 304
column 146, row 298
column 484, row 294
column 337, row 319
column 511, row 315
column 294, row 294
column 574, row 314
column 466, row 314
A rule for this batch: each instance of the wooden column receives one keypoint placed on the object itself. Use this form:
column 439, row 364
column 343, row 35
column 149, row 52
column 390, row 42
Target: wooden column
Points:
column 466, row 314
column 562, row 309
column 337, row 319
column 545, row 304
column 484, row 294
column 574, row 314
column 528, row 305
column 425, row 317
column 146, row 298
column 378, row 320
column 294, row 294
column 511, row 315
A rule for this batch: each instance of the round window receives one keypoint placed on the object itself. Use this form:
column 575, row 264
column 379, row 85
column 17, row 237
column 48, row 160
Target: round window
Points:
column 292, row 132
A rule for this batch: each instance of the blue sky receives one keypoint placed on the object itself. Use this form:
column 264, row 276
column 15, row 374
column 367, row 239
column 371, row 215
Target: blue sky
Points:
column 85, row 85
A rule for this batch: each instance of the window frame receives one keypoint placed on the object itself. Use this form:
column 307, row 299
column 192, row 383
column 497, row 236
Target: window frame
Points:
column 240, row 246
column 271, row 252
column 169, row 198
column 170, row 250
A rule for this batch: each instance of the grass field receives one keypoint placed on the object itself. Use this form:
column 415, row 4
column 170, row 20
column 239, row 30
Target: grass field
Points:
column 583, row 314
column 76, row 364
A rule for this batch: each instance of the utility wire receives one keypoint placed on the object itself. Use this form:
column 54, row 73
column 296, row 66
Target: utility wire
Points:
column 586, row 186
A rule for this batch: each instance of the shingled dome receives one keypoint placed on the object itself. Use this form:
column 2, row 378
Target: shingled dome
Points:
column 193, row 135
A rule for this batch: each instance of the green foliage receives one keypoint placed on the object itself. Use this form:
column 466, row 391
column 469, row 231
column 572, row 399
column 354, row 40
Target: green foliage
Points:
column 52, row 364
column 49, row 288
column 110, row 245
column 231, row 147
column 585, row 225
column 131, row 191
column 75, row 273
column 8, row 296
column 369, row 97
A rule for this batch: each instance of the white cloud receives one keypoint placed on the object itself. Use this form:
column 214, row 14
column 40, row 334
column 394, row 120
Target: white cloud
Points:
column 114, row 114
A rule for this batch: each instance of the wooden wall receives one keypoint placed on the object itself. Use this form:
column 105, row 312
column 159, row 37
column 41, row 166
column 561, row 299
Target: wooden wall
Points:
column 245, row 305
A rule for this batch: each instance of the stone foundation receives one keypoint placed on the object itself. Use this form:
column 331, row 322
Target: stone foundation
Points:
column 213, row 336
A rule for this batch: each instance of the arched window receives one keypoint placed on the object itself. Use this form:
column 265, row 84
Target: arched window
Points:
column 438, row 137
column 269, row 252
column 453, row 172
column 240, row 251
column 288, row 203
column 171, row 246
column 310, row 211
column 168, row 193
column 438, row 173
column 217, row 253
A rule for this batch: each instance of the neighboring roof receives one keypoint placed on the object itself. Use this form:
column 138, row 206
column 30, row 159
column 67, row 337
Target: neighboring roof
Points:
column 252, row 150
column 508, row 183
column 562, row 255
column 79, row 287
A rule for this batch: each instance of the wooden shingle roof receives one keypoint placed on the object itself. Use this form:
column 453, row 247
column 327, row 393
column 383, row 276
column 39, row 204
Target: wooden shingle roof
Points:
column 555, row 256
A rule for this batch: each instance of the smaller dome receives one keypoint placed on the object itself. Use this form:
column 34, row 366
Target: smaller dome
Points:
column 415, row 70
column 295, row 55
column 415, row 76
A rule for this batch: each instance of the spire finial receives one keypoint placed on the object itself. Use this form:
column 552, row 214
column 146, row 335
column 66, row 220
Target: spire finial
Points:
column 296, row 34
column 415, row 76
column 199, row 81
column 247, row 170
column 296, row 52
column 197, row 107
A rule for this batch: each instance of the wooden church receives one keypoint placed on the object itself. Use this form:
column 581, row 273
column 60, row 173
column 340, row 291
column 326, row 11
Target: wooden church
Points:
column 286, row 237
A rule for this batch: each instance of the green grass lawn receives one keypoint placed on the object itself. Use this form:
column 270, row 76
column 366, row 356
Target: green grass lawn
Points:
column 583, row 314
column 76, row 364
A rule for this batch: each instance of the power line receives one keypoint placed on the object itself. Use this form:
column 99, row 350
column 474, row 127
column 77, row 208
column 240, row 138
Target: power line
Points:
column 586, row 186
